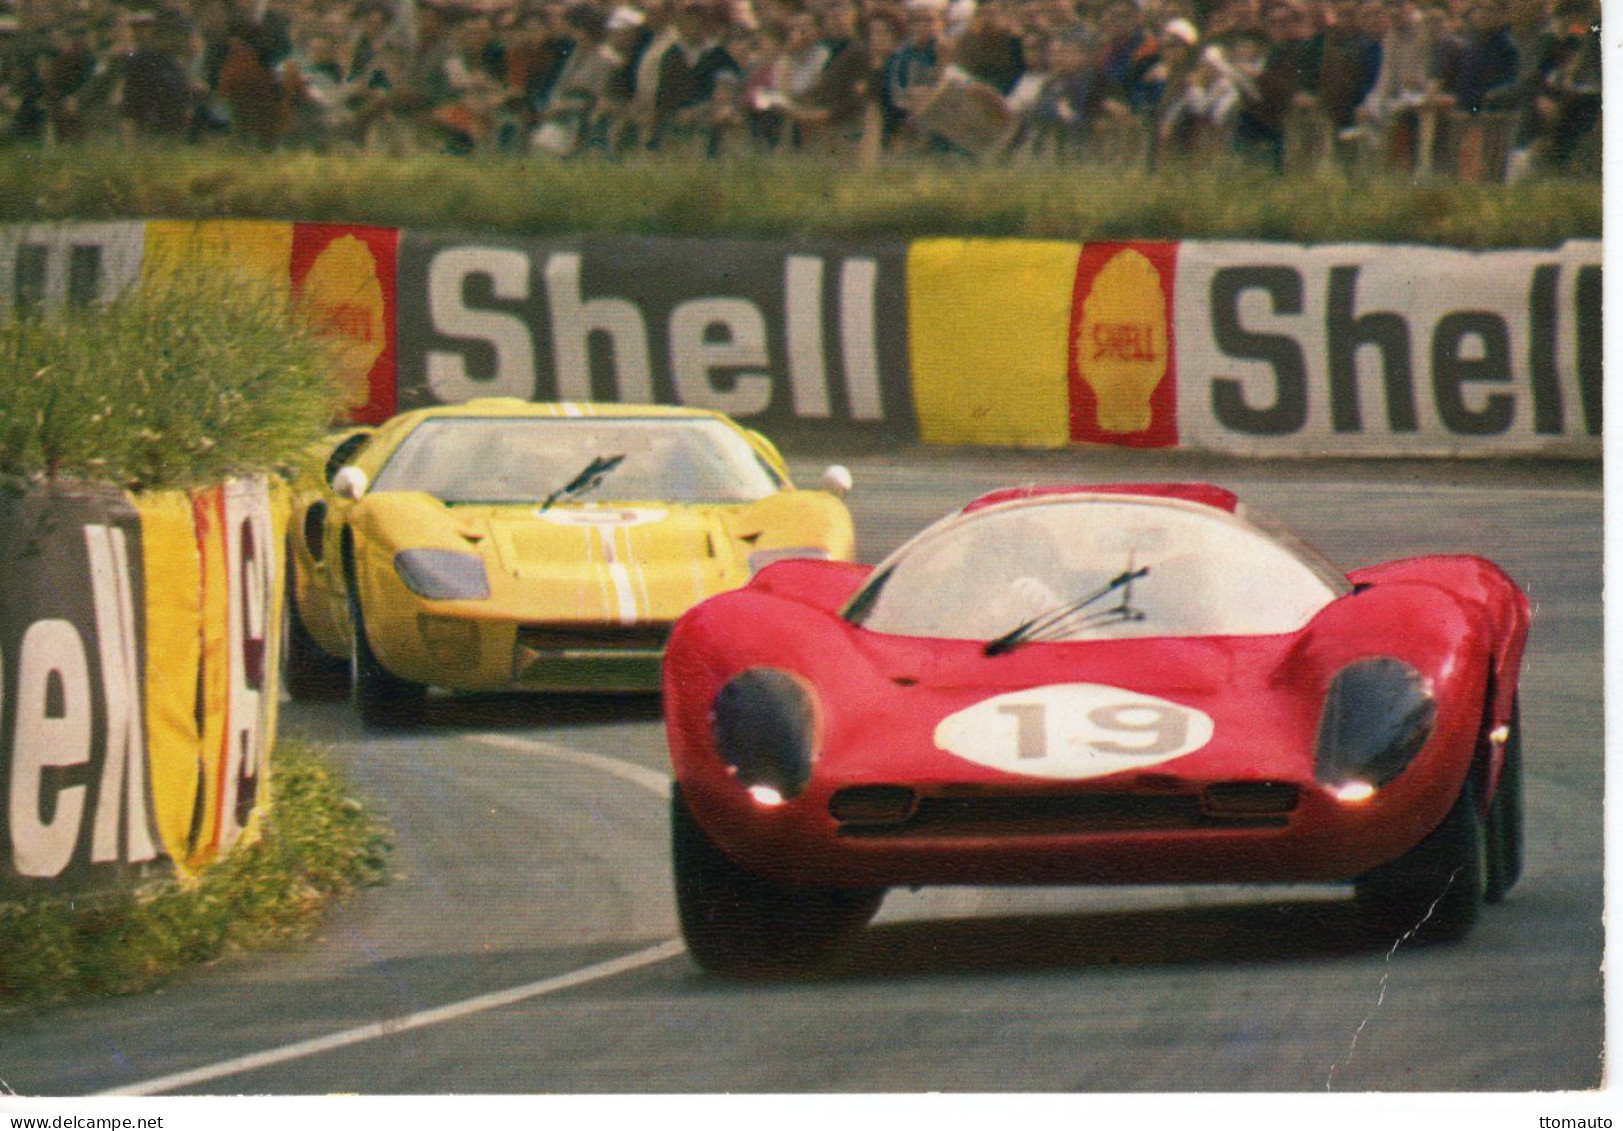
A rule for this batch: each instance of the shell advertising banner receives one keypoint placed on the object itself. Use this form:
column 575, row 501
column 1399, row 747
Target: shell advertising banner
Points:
column 1258, row 349
column 1376, row 349
column 1121, row 370
column 50, row 266
column 343, row 280
column 215, row 587
column 339, row 277
column 987, row 325
column 802, row 337
column 78, row 803
column 138, row 686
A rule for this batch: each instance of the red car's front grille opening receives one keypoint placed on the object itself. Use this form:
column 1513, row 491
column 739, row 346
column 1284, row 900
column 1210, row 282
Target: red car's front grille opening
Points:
column 649, row 637
column 1049, row 815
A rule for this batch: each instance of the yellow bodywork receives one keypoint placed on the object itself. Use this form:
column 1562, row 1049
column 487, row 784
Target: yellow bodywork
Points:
column 581, row 593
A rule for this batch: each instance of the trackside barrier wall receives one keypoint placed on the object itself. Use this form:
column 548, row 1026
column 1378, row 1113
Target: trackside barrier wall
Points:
column 1237, row 347
column 138, row 685
column 1258, row 349
column 776, row 335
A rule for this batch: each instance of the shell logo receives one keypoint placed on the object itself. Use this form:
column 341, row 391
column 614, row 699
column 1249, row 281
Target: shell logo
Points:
column 342, row 300
column 1121, row 349
column 1121, row 343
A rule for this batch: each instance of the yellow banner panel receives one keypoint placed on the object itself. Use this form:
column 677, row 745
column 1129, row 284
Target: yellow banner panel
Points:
column 251, row 252
column 174, row 618
column 988, row 325
column 214, row 682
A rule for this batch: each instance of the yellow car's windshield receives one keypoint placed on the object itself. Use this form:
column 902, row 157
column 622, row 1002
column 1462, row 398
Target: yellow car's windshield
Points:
column 532, row 459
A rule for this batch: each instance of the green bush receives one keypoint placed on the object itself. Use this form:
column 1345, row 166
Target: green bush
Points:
column 318, row 843
column 788, row 197
column 173, row 384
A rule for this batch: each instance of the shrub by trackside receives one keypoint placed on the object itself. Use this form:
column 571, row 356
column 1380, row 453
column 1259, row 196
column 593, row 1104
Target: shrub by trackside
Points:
column 174, row 384
column 318, row 844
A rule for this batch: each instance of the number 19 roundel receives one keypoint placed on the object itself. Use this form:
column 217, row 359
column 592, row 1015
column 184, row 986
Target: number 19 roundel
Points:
column 1073, row 731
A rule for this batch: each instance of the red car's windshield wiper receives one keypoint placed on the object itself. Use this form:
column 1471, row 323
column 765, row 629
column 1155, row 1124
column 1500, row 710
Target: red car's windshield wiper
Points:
column 1053, row 618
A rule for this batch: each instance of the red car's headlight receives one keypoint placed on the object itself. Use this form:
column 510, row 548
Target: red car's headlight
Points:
column 764, row 725
column 1377, row 715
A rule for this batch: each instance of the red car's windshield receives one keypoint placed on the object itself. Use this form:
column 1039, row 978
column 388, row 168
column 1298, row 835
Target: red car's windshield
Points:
column 1086, row 568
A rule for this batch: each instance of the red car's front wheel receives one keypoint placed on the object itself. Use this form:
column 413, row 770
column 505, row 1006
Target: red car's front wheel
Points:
column 1433, row 892
column 738, row 924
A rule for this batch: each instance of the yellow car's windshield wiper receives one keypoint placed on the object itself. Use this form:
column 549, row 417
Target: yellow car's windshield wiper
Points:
column 1045, row 622
column 590, row 476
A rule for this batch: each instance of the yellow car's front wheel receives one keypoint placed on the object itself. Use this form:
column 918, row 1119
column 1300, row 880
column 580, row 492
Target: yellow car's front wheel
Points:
column 383, row 699
column 308, row 672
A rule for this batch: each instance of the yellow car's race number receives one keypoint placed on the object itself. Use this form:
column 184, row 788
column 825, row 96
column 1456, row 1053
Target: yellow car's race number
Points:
column 1073, row 731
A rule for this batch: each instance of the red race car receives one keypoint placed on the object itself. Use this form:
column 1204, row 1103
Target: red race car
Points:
column 1091, row 684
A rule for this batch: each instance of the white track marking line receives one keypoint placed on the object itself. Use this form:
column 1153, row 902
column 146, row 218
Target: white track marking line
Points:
column 390, row 1026
column 626, row 771
column 650, row 780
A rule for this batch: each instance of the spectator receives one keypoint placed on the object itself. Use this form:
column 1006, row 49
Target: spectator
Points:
column 1487, row 58
column 583, row 85
column 1072, row 101
column 1173, row 59
column 157, row 96
column 1198, row 114
column 1092, row 78
column 1283, row 83
column 882, row 117
column 540, row 45
column 372, row 20
column 1350, row 59
column 1406, row 76
column 1127, row 54
column 1023, row 96
column 1565, row 109
column 465, row 91
column 1398, row 118
column 248, row 81
column 72, row 80
column 990, row 49
column 791, row 73
column 914, row 67
column 829, row 115
column 24, row 56
column 675, row 102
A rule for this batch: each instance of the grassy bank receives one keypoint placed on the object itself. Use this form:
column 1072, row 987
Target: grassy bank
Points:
column 787, row 197
column 318, row 844
column 176, row 384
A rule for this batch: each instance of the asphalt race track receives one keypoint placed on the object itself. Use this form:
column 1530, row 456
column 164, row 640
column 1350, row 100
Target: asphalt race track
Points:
column 531, row 857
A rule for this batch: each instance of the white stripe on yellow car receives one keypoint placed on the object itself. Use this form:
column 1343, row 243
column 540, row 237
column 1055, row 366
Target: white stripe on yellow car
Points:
column 647, row 606
column 620, row 576
column 600, row 570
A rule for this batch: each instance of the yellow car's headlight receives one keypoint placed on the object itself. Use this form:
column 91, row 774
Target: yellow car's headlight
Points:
column 443, row 575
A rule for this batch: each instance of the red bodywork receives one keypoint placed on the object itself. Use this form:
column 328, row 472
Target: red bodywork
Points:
column 1457, row 620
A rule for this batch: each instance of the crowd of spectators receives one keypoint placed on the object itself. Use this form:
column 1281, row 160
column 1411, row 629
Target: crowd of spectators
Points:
column 1470, row 88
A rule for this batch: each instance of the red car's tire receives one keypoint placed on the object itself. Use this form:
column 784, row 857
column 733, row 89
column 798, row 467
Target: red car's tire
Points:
column 1505, row 851
column 382, row 699
column 1433, row 892
column 737, row 924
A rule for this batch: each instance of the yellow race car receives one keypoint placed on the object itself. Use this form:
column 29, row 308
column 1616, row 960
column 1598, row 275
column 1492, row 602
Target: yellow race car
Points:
column 506, row 545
